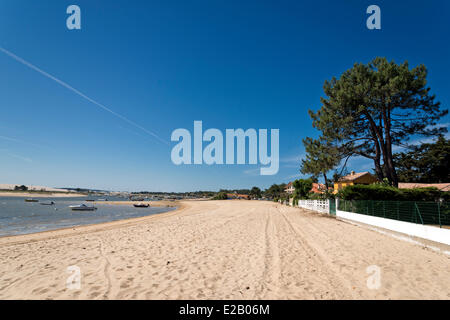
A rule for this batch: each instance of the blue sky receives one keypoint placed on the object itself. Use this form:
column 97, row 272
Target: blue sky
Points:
column 164, row 64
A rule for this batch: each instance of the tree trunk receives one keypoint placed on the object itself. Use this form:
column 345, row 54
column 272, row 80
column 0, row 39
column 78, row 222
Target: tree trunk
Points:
column 326, row 180
column 376, row 137
column 387, row 152
column 378, row 169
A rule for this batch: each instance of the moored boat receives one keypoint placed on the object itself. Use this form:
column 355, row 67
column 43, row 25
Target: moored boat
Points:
column 82, row 207
column 47, row 203
column 31, row 200
column 141, row 205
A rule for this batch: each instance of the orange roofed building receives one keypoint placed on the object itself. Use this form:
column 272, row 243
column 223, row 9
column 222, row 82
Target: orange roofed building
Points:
column 238, row 196
column 316, row 188
column 439, row 186
column 289, row 189
column 354, row 178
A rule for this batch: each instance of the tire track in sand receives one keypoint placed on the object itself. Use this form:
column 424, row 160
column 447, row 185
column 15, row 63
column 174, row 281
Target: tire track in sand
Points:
column 316, row 261
column 271, row 274
column 106, row 270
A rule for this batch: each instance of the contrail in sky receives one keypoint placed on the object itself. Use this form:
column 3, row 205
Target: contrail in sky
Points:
column 64, row 84
column 21, row 141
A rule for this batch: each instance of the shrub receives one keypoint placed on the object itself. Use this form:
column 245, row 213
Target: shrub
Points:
column 221, row 196
column 383, row 192
column 368, row 192
column 423, row 194
column 302, row 188
column 321, row 196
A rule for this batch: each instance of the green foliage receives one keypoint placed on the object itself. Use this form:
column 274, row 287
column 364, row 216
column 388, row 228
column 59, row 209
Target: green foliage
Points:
column 389, row 193
column 302, row 188
column 321, row 157
column 373, row 107
column 255, row 193
column 316, row 196
column 220, row 196
column 321, row 196
column 21, row 188
column 427, row 163
column 276, row 191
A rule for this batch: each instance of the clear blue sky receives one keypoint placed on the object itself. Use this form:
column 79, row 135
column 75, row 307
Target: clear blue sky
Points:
column 164, row 64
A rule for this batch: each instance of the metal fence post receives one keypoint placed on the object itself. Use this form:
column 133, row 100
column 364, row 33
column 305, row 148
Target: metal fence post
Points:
column 418, row 211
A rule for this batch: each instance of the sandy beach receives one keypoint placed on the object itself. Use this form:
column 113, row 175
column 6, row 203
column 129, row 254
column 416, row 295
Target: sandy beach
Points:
column 221, row 250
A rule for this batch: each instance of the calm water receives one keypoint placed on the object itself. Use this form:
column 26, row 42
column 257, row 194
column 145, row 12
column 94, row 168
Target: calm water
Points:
column 20, row 217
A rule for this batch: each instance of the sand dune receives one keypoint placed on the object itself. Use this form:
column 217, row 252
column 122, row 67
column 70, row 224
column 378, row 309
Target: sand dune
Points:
column 221, row 250
column 49, row 192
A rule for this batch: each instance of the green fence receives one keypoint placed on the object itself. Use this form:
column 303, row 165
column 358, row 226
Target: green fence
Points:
column 430, row 213
column 332, row 204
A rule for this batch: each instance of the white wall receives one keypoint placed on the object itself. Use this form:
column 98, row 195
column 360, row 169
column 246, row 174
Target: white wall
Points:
column 422, row 231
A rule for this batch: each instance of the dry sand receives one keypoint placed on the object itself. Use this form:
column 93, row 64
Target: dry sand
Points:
column 221, row 250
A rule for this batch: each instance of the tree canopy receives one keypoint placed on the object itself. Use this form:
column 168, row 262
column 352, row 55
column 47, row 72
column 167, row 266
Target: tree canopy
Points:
column 427, row 163
column 255, row 192
column 302, row 188
column 321, row 157
column 275, row 191
column 373, row 107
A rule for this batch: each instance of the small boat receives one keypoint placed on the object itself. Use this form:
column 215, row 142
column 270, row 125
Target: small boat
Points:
column 82, row 207
column 102, row 199
column 31, row 200
column 141, row 205
column 47, row 203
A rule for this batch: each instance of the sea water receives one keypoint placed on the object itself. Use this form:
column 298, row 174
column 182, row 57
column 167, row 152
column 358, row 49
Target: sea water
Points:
column 20, row 217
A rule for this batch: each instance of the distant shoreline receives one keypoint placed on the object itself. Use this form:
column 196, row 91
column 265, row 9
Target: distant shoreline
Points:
column 40, row 194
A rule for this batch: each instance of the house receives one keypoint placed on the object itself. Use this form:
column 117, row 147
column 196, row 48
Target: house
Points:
column 354, row 178
column 238, row 196
column 319, row 188
column 439, row 186
column 316, row 188
column 289, row 189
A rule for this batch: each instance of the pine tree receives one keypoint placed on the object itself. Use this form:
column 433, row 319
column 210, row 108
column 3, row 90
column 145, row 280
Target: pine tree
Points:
column 373, row 107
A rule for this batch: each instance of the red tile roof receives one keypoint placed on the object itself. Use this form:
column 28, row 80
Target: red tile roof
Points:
column 237, row 196
column 353, row 176
column 319, row 188
column 440, row 186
